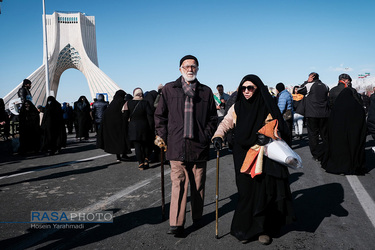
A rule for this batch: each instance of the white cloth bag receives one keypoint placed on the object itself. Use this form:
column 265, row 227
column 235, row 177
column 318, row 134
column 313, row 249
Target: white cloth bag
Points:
column 279, row 151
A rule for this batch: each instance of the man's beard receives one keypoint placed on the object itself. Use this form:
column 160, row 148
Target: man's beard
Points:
column 189, row 77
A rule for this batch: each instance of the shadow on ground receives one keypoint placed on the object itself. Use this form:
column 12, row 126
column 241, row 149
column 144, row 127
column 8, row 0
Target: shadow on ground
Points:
column 72, row 238
column 313, row 205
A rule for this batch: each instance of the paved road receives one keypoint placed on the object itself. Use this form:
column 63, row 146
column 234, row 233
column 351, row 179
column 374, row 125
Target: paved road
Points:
column 334, row 212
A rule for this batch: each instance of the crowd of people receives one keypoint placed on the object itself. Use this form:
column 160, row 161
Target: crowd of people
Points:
column 184, row 117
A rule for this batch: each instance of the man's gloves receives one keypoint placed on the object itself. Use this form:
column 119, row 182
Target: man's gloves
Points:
column 263, row 140
column 160, row 143
column 218, row 143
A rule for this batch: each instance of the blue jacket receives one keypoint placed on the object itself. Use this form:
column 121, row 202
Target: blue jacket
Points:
column 285, row 101
column 67, row 111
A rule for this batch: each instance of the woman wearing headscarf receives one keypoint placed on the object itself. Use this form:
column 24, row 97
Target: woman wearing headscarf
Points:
column 112, row 134
column 82, row 118
column 53, row 127
column 153, row 149
column 346, row 135
column 29, row 128
column 139, row 116
column 264, row 200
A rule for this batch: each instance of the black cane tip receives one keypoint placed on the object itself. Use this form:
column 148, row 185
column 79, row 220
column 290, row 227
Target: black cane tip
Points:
column 217, row 236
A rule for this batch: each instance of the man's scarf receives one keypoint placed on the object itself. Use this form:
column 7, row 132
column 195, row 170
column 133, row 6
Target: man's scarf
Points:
column 189, row 90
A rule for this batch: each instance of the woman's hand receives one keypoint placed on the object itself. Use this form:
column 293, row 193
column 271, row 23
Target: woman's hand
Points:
column 263, row 140
column 217, row 142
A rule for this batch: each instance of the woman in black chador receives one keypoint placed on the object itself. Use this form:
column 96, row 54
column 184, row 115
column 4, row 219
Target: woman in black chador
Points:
column 112, row 133
column 53, row 127
column 82, row 118
column 29, row 128
column 346, row 135
column 139, row 116
column 265, row 200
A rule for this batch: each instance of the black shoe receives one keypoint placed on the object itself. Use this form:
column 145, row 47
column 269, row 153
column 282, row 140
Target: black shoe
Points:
column 125, row 158
column 197, row 224
column 176, row 230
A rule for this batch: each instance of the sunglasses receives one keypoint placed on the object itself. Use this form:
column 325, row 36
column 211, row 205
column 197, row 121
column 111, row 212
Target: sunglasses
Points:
column 249, row 88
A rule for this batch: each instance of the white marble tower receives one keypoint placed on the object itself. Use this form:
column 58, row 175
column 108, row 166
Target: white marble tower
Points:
column 71, row 39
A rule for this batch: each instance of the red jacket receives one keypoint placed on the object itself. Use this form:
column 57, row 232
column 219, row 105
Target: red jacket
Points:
column 169, row 122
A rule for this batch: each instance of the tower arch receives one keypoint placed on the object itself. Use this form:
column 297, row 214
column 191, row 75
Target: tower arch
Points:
column 71, row 39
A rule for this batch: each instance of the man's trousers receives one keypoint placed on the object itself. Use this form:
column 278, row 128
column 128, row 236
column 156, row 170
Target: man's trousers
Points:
column 181, row 174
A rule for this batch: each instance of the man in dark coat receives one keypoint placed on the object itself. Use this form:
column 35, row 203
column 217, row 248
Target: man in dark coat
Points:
column 316, row 111
column 24, row 92
column 185, row 119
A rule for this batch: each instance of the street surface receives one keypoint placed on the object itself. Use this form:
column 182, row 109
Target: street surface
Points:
column 333, row 211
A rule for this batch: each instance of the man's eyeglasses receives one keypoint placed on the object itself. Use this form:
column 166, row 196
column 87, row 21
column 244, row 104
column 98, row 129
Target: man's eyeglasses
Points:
column 249, row 88
column 193, row 67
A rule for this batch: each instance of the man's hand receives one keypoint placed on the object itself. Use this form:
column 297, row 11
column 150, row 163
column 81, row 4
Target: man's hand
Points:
column 160, row 143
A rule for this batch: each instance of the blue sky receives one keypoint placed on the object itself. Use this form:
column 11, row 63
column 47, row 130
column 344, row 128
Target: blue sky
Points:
column 140, row 42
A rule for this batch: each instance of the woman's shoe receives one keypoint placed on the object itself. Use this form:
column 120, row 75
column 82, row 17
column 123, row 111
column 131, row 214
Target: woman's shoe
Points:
column 118, row 158
column 141, row 166
column 146, row 163
column 264, row 239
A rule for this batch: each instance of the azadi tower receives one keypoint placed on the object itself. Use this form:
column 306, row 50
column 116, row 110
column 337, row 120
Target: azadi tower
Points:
column 71, row 43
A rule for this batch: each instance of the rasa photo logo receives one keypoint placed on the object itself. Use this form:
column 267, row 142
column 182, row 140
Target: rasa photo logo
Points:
column 66, row 217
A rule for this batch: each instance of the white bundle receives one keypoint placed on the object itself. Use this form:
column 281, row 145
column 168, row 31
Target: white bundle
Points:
column 279, row 151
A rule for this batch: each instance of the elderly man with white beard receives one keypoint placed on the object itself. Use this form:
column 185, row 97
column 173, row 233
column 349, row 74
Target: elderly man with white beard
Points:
column 185, row 120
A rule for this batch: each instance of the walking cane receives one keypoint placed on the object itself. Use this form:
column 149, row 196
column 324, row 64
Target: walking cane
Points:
column 217, row 194
column 162, row 183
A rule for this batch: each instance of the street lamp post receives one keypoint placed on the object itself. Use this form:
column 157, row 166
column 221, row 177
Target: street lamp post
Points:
column 45, row 59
